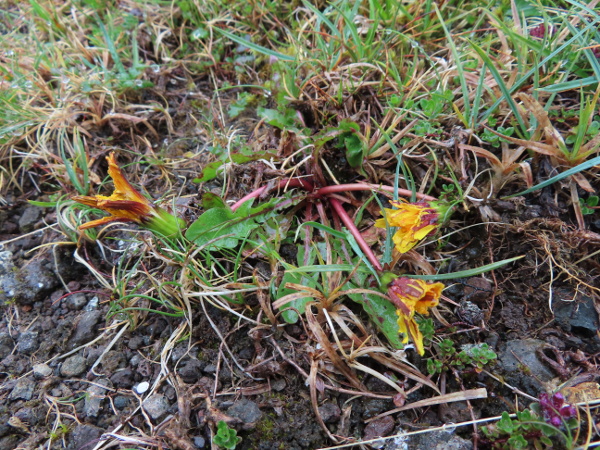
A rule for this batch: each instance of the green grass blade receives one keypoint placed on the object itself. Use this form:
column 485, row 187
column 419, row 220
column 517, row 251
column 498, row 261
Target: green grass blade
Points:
column 324, row 19
column 258, row 48
column 569, row 85
column 503, row 88
column 465, row 273
column 111, row 48
column 530, row 72
column 457, row 60
column 583, row 166
column 477, row 99
column 328, row 268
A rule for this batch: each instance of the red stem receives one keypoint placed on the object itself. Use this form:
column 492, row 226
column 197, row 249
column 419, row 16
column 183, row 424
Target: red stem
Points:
column 290, row 182
column 308, row 186
column 341, row 212
column 371, row 187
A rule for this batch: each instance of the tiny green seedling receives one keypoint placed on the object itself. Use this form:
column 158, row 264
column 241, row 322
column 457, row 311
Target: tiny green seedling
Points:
column 226, row 437
column 589, row 205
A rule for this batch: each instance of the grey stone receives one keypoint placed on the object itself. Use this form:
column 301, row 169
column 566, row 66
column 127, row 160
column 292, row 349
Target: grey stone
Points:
column 73, row 366
column 156, row 406
column 30, row 416
column 245, row 410
column 41, row 370
column 521, row 355
column 578, row 316
column 85, row 437
column 210, row 368
column 85, row 328
column 135, row 342
column 191, row 371
column 28, row 342
column 94, row 398
column 579, row 319
column 121, row 402
column 199, row 442
column 113, row 361
column 6, row 345
column 76, row 301
column 278, row 385
column 92, row 304
column 10, row 441
column 469, row 312
column 28, row 284
column 23, row 390
column 374, row 406
column 31, row 216
column 8, row 280
column 435, row 440
column 122, row 378
column 330, row 412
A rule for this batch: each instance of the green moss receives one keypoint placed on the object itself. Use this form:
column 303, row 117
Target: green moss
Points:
column 265, row 428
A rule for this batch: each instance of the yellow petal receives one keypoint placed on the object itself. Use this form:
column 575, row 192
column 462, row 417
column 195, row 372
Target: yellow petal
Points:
column 402, row 326
column 420, row 234
column 99, row 222
column 123, row 189
column 417, row 336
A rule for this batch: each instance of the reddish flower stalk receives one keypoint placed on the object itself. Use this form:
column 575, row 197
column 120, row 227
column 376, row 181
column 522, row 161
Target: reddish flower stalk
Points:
column 371, row 187
column 347, row 220
column 308, row 186
column 289, row 183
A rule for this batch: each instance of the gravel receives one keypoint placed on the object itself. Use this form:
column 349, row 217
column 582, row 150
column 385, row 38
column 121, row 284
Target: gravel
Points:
column 73, row 366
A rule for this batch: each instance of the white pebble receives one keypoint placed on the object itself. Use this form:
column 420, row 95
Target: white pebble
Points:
column 142, row 387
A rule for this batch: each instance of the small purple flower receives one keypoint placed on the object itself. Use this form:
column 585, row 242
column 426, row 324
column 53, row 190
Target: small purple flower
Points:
column 555, row 410
column 538, row 32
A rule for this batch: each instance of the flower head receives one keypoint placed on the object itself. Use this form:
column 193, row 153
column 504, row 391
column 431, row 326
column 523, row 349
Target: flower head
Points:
column 126, row 204
column 555, row 410
column 410, row 296
column 414, row 221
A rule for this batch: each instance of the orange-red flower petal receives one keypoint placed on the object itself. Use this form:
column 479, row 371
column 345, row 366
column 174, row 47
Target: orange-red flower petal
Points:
column 126, row 204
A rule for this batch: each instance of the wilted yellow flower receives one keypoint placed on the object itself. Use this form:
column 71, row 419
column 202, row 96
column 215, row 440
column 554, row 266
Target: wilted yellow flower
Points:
column 413, row 220
column 126, row 204
column 410, row 296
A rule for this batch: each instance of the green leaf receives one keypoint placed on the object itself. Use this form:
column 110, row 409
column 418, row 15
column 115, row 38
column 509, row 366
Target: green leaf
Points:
column 209, row 172
column 290, row 315
column 278, row 119
column 354, row 150
column 381, row 311
column 569, row 85
column 210, row 200
column 221, row 221
column 518, row 441
column 506, row 424
column 501, row 85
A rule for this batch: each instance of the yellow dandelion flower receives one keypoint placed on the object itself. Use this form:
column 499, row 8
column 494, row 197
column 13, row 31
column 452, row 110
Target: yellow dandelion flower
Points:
column 413, row 220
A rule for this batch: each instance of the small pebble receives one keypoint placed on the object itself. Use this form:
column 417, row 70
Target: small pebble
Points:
column 41, row 370
column 156, row 406
column 142, row 387
column 73, row 366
